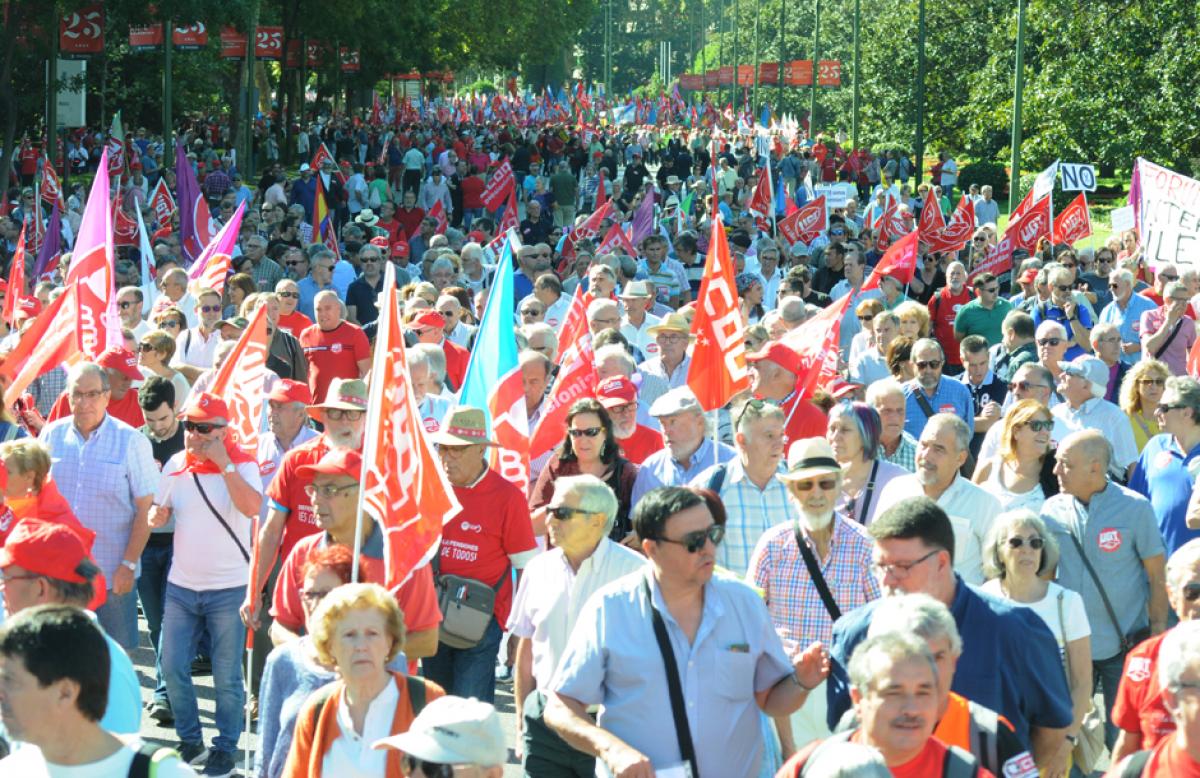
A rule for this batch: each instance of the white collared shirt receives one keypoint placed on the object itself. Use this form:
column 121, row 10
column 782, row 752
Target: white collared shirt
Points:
column 551, row 595
column 351, row 755
column 1099, row 414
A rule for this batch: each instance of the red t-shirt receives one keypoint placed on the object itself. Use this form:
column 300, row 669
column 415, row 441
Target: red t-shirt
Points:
column 333, row 354
column 286, row 491
column 456, row 362
column 927, row 764
column 417, row 597
column 943, row 307
column 472, row 191
column 1170, row 761
column 126, row 409
column 294, row 323
column 493, row 523
column 641, row 444
column 392, row 228
column 806, row 421
column 1139, row 706
column 410, row 220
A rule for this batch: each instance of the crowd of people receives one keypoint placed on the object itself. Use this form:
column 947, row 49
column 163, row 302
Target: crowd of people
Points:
column 862, row 579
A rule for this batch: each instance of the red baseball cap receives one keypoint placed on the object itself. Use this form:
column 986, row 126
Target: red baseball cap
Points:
column 779, row 354
column 379, row 241
column 840, row 387
column 400, row 249
column 28, row 306
column 430, row 319
column 289, row 391
column 45, row 548
column 121, row 359
column 205, row 407
column 475, row 236
column 615, row 391
column 336, row 462
column 1029, row 276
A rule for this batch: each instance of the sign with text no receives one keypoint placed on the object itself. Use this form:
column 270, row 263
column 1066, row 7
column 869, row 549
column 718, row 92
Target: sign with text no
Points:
column 1077, row 177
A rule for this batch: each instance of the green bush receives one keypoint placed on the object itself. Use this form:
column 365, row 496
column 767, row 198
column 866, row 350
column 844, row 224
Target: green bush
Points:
column 1061, row 198
column 984, row 174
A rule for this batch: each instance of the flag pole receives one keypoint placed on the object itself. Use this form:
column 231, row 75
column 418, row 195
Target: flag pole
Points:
column 249, row 691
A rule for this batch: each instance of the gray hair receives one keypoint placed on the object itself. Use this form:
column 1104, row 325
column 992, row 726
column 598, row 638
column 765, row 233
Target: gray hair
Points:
column 1100, row 330
column 1188, row 389
column 997, row 536
column 1172, row 287
column 541, row 327
column 891, row 647
column 1051, row 328
column 472, row 250
column 962, row 433
column 432, row 357
column 84, row 369
column 616, row 351
column 793, row 310
column 765, row 244
column 924, row 343
column 136, row 291
column 528, row 356
column 441, row 263
column 1182, row 563
column 594, row 496
column 917, row 614
column 885, row 387
column 1178, row 653
column 1123, row 275
column 596, row 306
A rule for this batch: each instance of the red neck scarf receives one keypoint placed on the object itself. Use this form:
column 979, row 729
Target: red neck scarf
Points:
column 194, row 464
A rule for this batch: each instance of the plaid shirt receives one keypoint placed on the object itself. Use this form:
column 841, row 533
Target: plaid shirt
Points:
column 749, row 512
column 905, row 454
column 778, row 569
column 266, row 274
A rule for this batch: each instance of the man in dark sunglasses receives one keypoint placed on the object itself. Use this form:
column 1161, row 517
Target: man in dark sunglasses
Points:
column 452, row 738
column 1164, row 471
column 931, row 392
column 729, row 665
column 198, row 345
column 1068, row 308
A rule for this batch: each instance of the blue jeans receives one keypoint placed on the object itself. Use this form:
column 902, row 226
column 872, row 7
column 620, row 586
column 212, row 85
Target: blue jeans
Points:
column 152, row 588
column 1107, row 672
column 185, row 614
column 467, row 672
column 118, row 617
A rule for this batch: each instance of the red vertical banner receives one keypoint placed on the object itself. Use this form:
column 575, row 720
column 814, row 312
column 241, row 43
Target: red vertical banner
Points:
column 718, row 369
column 768, row 73
column 233, row 44
column 145, row 38
column 81, row 33
column 829, row 72
column 268, row 43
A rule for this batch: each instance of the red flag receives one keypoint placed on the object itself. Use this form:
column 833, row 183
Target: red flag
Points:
column 891, row 223
column 319, row 157
column 616, row 238
column 163, row 204
column 1193, row 360
column 998, row 260
column 958, row 230
column 51, row 189
column 92, row 267
column 16, row 279
column 241, row 382
column 403, row 485
column 1074, row 222
column 125, row 229
column 1033, row 225
column 509, row 219
column 589, row 228
column 51, row 340
column 718, row 368
column 1022, row 207
column 762, row 202
column 932, row 222
column 576, row 378
column 438, row 211
column 816, row 341
column 499, row 186
column 601, row 194
column 899, row 262
column 806, row 223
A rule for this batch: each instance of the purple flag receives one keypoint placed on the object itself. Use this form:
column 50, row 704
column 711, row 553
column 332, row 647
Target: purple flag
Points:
column 196, row 229
column 51, row 246
column 643, row 218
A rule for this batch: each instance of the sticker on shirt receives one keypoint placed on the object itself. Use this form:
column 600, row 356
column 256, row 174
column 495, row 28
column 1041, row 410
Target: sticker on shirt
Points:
column 1162, row 459
column 947, row 408
column 651, row 348
column 1138, row 670
column 336, row 348
column 1110, row 539
column 431, row 424
column 1020, row 766
column 266, row 467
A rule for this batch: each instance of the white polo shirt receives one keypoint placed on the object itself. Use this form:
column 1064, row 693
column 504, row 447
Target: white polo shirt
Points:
column 1100, row 414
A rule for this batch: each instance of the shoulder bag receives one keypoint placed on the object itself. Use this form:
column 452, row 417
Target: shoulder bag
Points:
column 814, row 572
column 1089, row 746
column 467, row 606
column 683, row 731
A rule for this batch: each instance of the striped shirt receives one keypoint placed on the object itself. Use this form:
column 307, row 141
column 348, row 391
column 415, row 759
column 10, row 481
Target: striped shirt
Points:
column 749, row 512
column 101, row 478
column 778, row 569
column 905, row 454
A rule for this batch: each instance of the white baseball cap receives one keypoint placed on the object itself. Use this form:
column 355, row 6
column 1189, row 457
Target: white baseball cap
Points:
column 453, row 730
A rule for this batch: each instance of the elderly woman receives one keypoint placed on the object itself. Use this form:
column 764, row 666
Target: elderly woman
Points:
column 590, row 447
column 1019, row 559
column 914, row 319
column 357, row 629
column 30, row 491
column 237, row 288
column 864, row 341
column 154, row 356
column 853, row 432
column 1140, row 392
column 1022, row 474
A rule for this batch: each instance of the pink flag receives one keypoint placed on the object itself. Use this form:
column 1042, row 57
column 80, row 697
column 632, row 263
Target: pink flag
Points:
column 211, row 268
column 92, row 271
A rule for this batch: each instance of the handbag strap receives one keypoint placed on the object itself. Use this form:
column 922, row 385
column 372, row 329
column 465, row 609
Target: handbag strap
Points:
column 1163, row 348
column 814, row 572
column 868, row 493
column 1062, row 627
column 1108, row 608
column 922, row 401
column 220, row 518
column 683, row 731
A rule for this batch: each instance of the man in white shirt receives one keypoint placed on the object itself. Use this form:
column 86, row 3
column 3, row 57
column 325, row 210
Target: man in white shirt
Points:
column 637, row 298
column 196, row 347
column 1083, row 384
column 129, row 310
column 941, row 451
column 553, row 589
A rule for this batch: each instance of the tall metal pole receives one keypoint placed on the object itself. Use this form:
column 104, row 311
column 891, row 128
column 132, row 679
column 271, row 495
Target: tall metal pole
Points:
column 857, row 79
column 757, row 19
column 721, row 51
column 246, row 163
column 919, row 162
column 782, row 48
column 737, row 54
column 52, row 90
column 1014, row 177
column 812, row 100
column 168, row 120
column 608, row 19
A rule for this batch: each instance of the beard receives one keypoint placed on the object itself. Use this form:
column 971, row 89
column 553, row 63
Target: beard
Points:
column 816, row 521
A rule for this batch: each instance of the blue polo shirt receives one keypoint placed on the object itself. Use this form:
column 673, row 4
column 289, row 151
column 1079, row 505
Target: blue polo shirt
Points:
column 1010, row 660
column 1127, row 320
column 1048, row 312
column 951, row 396
column 1164, row 477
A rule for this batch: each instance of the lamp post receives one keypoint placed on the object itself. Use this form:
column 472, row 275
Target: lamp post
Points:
column 920, row 149
column 1014, row 178
column 857, row 66
column 812, row 100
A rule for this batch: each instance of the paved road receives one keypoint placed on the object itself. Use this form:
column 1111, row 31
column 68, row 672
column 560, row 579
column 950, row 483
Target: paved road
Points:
column 143, row 661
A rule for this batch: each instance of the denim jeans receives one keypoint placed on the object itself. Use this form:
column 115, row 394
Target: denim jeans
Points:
column 1107, row 672
column 118, row 617
column 185, row 614
column 467, row 672
column 152, row 589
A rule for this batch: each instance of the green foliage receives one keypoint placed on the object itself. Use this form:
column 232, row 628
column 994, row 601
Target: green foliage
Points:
column 985, row 174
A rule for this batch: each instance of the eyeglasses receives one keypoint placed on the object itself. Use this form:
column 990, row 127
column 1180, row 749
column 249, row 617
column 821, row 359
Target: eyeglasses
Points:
column 127, row 304
column 371, row 260
column 1168, row 277
column 866, row 319
column 293, row 262
column 588, row 432
column 203, row 428
column 340, row 414
column 5, row 579
column 1039, row 425
column 563, row 513
column 210, row 309
column 694, row 541
column 993, row 290
column 1165, row 408
column 900, row 569
column 170, row 323
column 530, row 312
column 1034, row 543
column 1051, row 342
column 1114, row 286
column 981, row 240
column 1191, row 591
column 328, row 491
column 289, row 295
column 410, row 764
column 1062, row 287
column 1152, row 381
column 95, row 394
column 931, row 364
column 145, row 347
column 314, row 596
column 826, row 484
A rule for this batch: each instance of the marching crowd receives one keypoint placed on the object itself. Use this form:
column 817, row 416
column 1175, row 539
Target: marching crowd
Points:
column 973, row 553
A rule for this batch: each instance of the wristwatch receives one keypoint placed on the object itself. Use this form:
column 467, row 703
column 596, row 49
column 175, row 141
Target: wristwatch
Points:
column 230, row 468
column 131, row 565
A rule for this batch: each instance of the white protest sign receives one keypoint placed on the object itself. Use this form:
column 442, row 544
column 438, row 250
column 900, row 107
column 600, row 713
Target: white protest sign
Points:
column 835, row 195
column 1122, row 218
column 1076, row 177
column 1168, row 214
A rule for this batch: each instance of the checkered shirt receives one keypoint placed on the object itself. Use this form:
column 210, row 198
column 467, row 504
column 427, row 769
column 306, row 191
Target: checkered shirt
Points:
column 905, row 454
column 749, row 512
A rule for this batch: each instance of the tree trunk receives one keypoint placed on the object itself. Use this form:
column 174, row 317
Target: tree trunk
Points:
column 8, row 106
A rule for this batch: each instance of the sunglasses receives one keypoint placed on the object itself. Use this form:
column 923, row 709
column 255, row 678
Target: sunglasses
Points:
column 1034, row 543
column 203, row 428
column 932, row 364
column 1051, row 342
column 866, row 319
column 210, row 309
column 1191, row 592
column 340, row 414
column 144, row 347
column 169, row 323
column 290, row 295
column 826, row 484
column 1114, row 286
column 294, row 262
column 589, row 432
column 1165, row 408
column 1062, row 288
column 563, row 513
column 993, row 290
column 1024, row 386
column 410, row 764
column 1152, row 381
column 694, row 541
column 1038, row 425
column 127, row 304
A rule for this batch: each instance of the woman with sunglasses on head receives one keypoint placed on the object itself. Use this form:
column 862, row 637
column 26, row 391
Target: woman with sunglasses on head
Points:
column 590, row 448
column 1140, row 393
column 1019, row 559
column 854, row 430
column 1022, row 474
column 155, row 350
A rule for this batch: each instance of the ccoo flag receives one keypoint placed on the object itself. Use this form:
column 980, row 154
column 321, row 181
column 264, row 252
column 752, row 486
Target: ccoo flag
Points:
column 718, row 369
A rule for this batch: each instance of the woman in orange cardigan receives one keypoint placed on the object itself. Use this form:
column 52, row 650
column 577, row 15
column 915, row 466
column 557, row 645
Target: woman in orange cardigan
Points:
column 30, row 491
column 358, row 629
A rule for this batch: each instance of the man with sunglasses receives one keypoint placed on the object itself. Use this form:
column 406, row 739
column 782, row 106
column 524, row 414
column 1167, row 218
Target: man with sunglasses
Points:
column 1082, row 385
column 553, row 590
column 1068, row 308
column 364, row 290
column 129, row 309
column 985, row 314
column 1169, row 331
column 287, row 292
column 212, row 490
column 674, row 620
column 931, row 392
column 196, row 347
column 1140, row 711
column 1164, row 473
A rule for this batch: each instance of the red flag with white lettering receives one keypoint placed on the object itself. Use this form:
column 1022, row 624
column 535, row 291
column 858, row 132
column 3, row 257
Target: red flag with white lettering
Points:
column 932, row 222
column 806, row 223
column 718, row 367
column 163, row 204
column 762, row 202
column 125, row 229
column 576, row 378
column 1074, row 222
column 16, row 279
column 616, row 238
column 499, row 186
column 1033, row 225
column 816, row 341
column 438, row 212
column 241, row 382
column 999, row 260
column 92, row 267
column 958, row 230
column 509, row 219
column 899, row 262
column 51, row 189
column 51, row 340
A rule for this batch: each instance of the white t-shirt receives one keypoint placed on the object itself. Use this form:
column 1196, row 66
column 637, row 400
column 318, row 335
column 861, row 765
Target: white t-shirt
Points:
column 206, row 558
column 1074, row 622
column 28, row 762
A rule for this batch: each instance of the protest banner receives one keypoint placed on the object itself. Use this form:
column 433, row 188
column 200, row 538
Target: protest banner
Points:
column 1166, row 213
